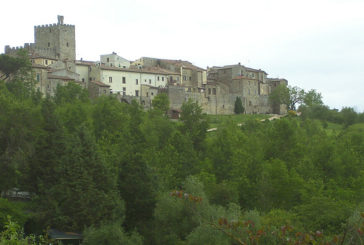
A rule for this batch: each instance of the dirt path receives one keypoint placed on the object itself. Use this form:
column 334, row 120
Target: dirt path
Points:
column 273, row 117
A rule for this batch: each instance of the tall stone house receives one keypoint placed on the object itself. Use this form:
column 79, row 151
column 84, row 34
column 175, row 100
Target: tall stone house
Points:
column 53, row 57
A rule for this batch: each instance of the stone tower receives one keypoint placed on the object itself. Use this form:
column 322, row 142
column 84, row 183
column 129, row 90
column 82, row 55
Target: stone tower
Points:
column 59, row 37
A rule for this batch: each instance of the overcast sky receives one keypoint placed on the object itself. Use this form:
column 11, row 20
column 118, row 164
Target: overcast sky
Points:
column 314, row 44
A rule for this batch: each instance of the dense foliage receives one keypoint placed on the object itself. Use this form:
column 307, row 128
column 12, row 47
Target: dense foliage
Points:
column 118, row 173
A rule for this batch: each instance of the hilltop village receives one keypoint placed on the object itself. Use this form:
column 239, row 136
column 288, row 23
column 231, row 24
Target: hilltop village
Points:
column 53, row 57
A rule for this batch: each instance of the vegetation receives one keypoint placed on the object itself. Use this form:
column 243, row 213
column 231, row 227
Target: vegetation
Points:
column 121, row 175
column 238, row 106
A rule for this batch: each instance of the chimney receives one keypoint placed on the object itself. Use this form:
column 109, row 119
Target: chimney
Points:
column 60, row 19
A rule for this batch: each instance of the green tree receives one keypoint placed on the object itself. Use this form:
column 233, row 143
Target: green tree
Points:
column 112, row 234
column 161, row 102
column 312, row 97
column 194, row 123
column 238, row 107
column 287, row 95
column 12, row 65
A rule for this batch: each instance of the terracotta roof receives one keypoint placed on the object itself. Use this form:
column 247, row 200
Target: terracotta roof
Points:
column 85, row 62
column 60, row 77
column 101, row 84
column 184, row 63
column 153, row 70
column 252, row 69
column 40, row 66
column 243, row 77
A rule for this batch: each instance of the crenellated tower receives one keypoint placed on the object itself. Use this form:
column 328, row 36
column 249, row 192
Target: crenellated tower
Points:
column 59, row 37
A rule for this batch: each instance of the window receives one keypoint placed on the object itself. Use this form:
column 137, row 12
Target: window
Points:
column 124, row 80
column 150, row 81
column 184, row 78
column 49, row 44
column 67, row 44
column 136, row 93
column 214, row 91
column 158, row 78
column 162, row 78
column 46, row 62
column 124, row 91
column 145, row 80
column 136, row 81
column 190, row 78
column 209, row 90
column 107, row 60
column 38, row 77
column 152, row 93
column 50, row 30
column 110, row 79
column 83, row 80
column 147, row 94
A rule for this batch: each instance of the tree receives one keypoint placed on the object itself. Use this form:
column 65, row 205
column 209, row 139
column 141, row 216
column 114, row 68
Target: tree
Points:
column 194, row 123
column 287, row 95
column 312, row 97
column 161, row 102
column 238, row 108
column 12, row 65
column 70, row 93
column 112, row 234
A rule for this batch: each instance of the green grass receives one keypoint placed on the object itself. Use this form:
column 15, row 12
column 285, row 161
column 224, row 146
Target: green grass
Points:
column 216, row 120
column 333, row 128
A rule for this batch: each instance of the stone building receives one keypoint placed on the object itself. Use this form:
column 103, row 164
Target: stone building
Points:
column 53, row 57
column 52, row 54
column 114, row 60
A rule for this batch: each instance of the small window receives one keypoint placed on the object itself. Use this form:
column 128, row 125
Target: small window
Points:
column 152, row 93
column 124, row 80
column 214, row 91
column 49, row 44
column 190, row 78
column 107, row 60
column 162, row 78
column 184, row 78
column 110, row 79
column 38, row 77
column 209, row 90
column 67, row 44
column 124, row 91
column 158, row 78
column 46, row 62
column 83, row 80
column 147, row 94
column 136, row 93
column 136, row 81
column 150, row 81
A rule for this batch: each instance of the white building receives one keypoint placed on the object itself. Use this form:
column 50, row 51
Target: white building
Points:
column 114, row 60
column 128, row 81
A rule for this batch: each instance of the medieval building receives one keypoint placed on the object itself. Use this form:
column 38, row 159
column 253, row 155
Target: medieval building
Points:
column 53, row 57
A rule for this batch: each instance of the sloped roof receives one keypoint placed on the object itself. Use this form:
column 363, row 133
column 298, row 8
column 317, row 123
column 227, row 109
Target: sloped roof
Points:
column 153, row 70
column 101, row 84
column 50, row 76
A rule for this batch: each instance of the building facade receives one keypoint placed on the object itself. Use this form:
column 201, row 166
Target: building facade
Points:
column 53, row 57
